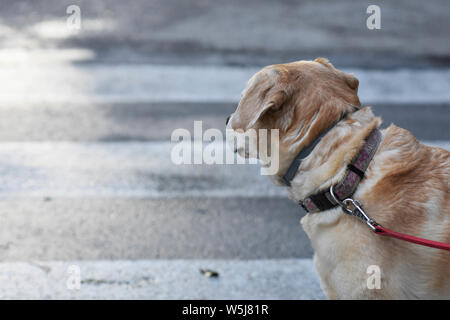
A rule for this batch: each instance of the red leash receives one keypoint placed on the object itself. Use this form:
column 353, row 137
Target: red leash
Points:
column 382, row 231
column 354, row 208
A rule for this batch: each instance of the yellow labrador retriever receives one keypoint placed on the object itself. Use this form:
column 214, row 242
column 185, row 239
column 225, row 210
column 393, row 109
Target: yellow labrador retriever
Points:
column 402, row 184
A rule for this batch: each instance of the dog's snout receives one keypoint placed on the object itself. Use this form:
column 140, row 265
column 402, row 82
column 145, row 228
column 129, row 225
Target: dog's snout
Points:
column 228, row 119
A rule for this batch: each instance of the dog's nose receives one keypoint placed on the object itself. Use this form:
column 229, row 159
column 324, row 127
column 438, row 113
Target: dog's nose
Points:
column 228, row 119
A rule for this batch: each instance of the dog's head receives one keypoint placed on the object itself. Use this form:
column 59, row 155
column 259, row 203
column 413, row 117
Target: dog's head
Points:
column 300, row 99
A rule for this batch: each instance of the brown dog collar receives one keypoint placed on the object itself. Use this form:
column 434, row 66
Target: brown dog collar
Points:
column 346, row 188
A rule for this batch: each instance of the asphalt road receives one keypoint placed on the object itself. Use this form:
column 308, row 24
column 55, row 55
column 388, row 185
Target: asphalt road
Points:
column 252, row 32
column 137, row 229
column 86, row 119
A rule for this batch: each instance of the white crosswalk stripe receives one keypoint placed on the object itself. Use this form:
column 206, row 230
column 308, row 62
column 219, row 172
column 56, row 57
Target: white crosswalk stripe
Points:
column 160, row 279
column 125, row 169
column 64, row 83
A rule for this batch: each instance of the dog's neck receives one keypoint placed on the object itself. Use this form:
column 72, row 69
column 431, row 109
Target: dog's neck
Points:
column 326, row 164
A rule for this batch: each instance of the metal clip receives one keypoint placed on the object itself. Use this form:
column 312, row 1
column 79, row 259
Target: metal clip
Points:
column 357, row 211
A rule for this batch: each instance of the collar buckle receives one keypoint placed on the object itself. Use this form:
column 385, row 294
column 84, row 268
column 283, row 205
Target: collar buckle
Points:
column 354, row 208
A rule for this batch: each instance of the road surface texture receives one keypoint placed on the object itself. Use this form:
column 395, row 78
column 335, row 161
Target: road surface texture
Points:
column 86, row 118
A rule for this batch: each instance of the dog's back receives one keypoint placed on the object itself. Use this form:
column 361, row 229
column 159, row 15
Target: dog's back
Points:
column 412, row 196
column 406, row 189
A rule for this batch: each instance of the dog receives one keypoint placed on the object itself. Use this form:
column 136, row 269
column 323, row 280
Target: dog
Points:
column 405, row 186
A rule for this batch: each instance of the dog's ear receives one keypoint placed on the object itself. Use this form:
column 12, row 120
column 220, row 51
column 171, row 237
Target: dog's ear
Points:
column 273, row 102
column 251, row 109
column 351, row 81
